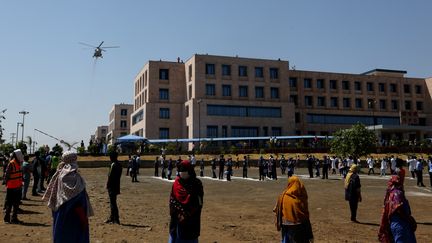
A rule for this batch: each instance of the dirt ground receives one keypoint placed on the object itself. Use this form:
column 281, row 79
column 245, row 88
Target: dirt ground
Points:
column 236, row 211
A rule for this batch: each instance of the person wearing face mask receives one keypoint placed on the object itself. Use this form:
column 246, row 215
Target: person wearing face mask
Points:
column 186, row 202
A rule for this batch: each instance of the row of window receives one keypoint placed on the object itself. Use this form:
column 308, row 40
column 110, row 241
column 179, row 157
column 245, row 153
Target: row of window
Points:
column 358, row 103
column 242, row 91
column 237, row 131
column 346, row 85
column 210, row 69
column 348, row 120
column 243, row 111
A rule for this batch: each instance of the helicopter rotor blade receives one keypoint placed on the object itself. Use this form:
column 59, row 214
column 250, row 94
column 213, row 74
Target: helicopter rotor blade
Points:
column 82, row 43
column 110, row 47
column 100, row 44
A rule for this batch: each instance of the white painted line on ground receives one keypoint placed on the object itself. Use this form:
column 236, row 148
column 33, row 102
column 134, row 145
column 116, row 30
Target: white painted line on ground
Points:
column 162, row 179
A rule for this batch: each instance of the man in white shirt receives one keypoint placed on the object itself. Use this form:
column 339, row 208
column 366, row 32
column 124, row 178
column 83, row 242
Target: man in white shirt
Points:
column 383, row 167
column 371, row 162
column 392, row 165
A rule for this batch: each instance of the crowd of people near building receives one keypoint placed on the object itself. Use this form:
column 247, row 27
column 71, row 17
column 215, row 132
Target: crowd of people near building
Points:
column 61, row 185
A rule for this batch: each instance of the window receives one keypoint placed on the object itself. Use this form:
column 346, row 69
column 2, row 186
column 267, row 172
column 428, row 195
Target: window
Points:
column 369, row 86
column 381, row 87
column 345, row 85
column 321, row 101
column 333, row 84
column 357, row 86
column 123, row 123
column 226, row 70
column 242, row 71
column 123, row 112
column 418, row 89
column 382, row 104
column 243, row 111
column 394, row 104
column 212, row 131
column 419, row 105
column 210, row 90
column 371, row 103
column 348, row 119
column 226, row 90
column 307, row 83
column 224, row 131
column 308, row 101
column 137, row 117
column 190, row 72
column 259, row 92
column 259, row 72
column 293, row 82
column 163, row 74
column 407, row 88
column 407, row 105
column 163, row 94
column 244, row 131
column 358, row 103
column 294, row 99
column 210, row 69
column 243, row 91
column 393, row 88
column 276, row 131
column 190, row 91
column 164, row 113
column 265, row 131
column 346, row 102
column 297, row 117
column 274, row 92
column 320, row 83
column 163, row 133
column 187, row 111
column 334, row 102
column 274, row 73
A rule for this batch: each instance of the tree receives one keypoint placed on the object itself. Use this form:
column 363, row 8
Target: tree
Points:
column 356, row 142
column 6, row 148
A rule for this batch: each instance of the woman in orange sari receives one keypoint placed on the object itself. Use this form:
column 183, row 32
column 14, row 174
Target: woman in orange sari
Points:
column 292, row 213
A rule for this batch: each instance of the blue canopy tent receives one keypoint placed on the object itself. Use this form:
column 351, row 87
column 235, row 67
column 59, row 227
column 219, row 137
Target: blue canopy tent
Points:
column 130, row 139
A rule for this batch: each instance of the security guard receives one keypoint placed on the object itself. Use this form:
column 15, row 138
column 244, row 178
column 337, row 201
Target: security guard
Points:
column 13, row 181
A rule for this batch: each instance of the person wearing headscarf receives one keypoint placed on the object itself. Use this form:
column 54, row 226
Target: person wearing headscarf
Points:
column 397, row 224
column 69, row 202
column 186, row 202
column 13, row 181
column 292, row 213
column 352, row 190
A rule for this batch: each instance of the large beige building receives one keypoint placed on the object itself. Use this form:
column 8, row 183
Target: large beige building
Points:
column 216, row 96
column 100, row 134
column 119, row 121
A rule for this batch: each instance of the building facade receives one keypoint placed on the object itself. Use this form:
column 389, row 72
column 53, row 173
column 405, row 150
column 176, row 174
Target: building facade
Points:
column 119, row 122
column 100, row 134
column 217, row 96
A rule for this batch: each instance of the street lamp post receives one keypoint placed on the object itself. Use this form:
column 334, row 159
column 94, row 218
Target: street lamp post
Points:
column 16, row 141
column 23, row 113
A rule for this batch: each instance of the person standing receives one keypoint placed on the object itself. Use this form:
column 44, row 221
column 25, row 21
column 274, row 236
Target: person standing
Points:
column 370, row 161
column 26, row 170
column 411, row 165
column 13, row 181
column 383, row 167
column 186, row 202
column 163, row 167
column 310, row 164
column 392, row 165
column 352, row 191
column 202, row 168
column 325, row 167
column 156, row 167
column 261, row 166
column 170, row 168
column 397, row 224
column 213, row 167
column 221, row 167
column 113, row 187
column 134, row 169
column 36, row 165
column 333, row 165
column 419, row 172
column 245, row 166
column 68, row 199
column 430, row 169
column 53, row 165
column 292, row 213
column 229, row 166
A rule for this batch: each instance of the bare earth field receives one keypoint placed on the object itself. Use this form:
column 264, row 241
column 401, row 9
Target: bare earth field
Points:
column 236, row 211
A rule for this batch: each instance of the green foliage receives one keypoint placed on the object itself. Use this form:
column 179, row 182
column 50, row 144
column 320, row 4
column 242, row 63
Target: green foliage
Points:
column 6, row 148
column 58, row 149
column 22, row 146
column 80, row 150
column 92, row 149
column 356, row 141
column 233, row 149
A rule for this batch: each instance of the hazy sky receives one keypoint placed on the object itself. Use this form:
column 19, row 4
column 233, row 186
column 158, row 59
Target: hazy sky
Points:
column 45, row 71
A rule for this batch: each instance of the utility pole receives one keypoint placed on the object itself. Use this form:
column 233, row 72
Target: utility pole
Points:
column 12, row 137
column 16, row 142
column 23, row 113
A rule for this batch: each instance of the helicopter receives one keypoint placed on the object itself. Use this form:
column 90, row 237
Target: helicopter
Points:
column 98, row 49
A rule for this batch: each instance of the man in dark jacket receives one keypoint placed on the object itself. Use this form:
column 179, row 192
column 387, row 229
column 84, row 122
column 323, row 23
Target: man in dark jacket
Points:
column 113, row 186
